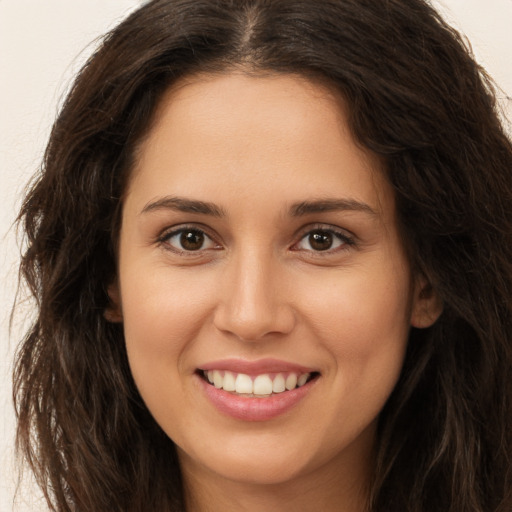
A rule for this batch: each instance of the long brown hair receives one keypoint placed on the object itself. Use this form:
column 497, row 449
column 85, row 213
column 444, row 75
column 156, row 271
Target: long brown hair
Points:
column 417, row 99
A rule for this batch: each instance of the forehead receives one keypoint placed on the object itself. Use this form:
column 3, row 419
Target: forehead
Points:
column 253, row 131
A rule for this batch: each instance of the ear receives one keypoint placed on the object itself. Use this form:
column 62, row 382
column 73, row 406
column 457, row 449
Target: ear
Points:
column 427, row 306
column 113, row 312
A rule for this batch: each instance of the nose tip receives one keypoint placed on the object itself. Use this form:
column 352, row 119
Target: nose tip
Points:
column 254, row 306
column 256, row 324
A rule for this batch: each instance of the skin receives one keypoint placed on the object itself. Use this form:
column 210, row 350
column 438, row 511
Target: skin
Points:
column 254, row 147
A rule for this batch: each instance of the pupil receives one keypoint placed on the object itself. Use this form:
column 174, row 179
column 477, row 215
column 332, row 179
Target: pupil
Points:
column 320, row 241
column 192, row 240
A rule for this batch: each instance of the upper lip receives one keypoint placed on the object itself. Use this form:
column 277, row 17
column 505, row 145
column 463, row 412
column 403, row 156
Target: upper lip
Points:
column 258, row 367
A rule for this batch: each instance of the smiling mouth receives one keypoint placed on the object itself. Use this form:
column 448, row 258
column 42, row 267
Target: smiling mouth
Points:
column 257, row 386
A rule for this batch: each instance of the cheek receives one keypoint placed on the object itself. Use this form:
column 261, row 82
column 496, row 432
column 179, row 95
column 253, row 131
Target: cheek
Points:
column 364, row 322
column 163, row 316
column 163, row 313
column 375, row 301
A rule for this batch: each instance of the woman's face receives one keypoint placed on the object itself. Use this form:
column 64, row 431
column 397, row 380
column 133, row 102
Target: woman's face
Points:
column 259, row 250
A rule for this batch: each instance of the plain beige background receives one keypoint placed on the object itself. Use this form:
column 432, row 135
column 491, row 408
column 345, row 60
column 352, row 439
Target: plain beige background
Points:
column 42, row 44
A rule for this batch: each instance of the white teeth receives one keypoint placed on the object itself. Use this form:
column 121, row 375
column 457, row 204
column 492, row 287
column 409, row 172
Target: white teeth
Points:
column 278, row 386
column 291, row 381
column 217, row 379
column 243, row 383
column 262, row 385
column 302, row 379
column 229, row 382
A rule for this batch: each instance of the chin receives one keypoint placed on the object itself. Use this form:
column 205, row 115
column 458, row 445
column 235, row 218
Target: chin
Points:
column 252, row 459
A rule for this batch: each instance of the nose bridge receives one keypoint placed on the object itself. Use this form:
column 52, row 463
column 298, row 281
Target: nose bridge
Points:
column 254, row 302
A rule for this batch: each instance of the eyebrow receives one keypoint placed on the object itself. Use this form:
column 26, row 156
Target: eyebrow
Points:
column 330, row 205
column 182, row 204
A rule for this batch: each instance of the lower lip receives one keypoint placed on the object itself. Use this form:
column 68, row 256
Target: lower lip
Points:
column 255, row 409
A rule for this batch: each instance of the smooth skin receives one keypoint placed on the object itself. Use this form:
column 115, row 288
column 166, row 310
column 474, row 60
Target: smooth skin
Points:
column 254, row 227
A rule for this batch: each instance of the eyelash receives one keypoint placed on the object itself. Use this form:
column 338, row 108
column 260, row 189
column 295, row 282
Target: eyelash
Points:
column 345, row 241
column 165, row 238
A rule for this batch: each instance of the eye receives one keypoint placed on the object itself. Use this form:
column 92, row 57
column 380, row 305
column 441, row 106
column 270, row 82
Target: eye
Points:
column 188, row 240
column 322, row 240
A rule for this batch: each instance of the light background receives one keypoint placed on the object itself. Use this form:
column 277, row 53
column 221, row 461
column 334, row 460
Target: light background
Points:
column 42, row 45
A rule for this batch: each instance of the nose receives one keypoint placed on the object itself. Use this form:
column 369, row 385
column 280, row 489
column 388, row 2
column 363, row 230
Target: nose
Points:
column 255, row 299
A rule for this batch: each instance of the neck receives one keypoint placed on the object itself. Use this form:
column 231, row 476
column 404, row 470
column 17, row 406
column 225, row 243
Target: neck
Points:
column 274, row 499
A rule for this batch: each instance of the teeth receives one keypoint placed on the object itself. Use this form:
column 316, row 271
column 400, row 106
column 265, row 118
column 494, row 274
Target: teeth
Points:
column 291, row 381
column 217, row 379
column 229, row 382
column 261, row 385
column 243, row 383
column 278, row 386
column 302, row 380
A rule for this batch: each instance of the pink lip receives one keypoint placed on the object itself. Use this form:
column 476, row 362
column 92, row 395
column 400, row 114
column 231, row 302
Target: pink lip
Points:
column 252, row 408
column 256, row 367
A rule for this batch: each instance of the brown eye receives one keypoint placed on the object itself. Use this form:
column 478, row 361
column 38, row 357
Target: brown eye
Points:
column 323, row 240
column 192, row 240
column 188, row 240
column 320, row 240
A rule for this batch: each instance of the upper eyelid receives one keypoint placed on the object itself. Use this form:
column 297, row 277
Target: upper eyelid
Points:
column 349, row 240
column 163, row 240
column 318, row 226
column 170, row 231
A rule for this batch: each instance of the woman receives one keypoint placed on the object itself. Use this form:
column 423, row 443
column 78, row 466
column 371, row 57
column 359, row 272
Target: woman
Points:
column 270, row 246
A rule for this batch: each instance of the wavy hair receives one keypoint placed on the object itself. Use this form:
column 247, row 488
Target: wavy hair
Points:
column 416, row 98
